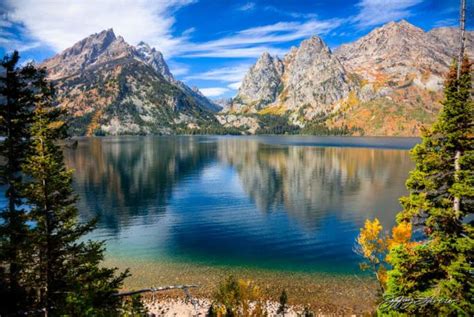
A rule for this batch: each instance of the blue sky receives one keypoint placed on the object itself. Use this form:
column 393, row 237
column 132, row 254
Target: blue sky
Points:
column 209, row 44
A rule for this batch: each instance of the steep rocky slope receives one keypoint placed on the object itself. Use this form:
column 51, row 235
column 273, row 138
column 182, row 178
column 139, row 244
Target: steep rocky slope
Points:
column 313, row 77
column 397, row 53
column 309, row 79
column 388, row 82
column 111, row 87
column 261, row 84
column 401, row 71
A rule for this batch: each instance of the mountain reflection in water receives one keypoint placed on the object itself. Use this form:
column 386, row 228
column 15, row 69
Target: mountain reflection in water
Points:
column 278, row 202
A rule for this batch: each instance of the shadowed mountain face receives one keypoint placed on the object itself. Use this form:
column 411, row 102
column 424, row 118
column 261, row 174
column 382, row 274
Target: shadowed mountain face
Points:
column 388, row 82
column 111, row 87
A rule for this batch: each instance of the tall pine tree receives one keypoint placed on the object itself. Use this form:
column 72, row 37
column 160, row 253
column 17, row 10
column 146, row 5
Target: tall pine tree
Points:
column 15, row 116
column 68, row 273
column 439, row 265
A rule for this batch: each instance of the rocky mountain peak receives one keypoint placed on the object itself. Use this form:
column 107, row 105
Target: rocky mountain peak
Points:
column 314, row 43
column 95, row 49
column 261, row 84
column 313, row 77
column 96, row 43
column 309, row 76
column 268, row 61
column 400, row 53
column 402, row 25
column 265, row 58
column 111, row 87
column 155, row 59
column 106, row 36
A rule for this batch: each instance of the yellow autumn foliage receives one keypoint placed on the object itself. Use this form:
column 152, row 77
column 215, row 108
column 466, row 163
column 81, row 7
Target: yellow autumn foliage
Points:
column 401, row 234
column 370, row 239
column 55, row 125
column 374, row 245
column 277, row 110
column 241, row 297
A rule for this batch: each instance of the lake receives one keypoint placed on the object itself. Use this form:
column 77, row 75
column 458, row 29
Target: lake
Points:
column 275, row 202
column 283, row 211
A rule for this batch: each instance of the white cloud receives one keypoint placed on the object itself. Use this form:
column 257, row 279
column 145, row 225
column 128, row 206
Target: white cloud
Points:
column 375, row 12
column 214, row 91
column 60, row 24
column 254, row 41
column 232, row 75
column 234, row 52
column 235, row 85
column 11, row 42
column 446, row 22
column 292, row 14
column 225, row 74
column 178, row 69
column 188, row 32
column 247, row 7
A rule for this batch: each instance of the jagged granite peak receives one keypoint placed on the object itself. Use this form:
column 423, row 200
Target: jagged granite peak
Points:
column 262, row 83
column 309, row 76
column 94, row 49
column 155, row 59
column 391, row 78
column 313, row 77
column 110, row 87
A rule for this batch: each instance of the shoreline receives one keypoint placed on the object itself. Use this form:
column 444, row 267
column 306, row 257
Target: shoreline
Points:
column 170, row 307
column 322, row 292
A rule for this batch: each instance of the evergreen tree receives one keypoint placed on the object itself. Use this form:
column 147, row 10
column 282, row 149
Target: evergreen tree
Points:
column 15, row 114
column 439, row 265
column 68, row 274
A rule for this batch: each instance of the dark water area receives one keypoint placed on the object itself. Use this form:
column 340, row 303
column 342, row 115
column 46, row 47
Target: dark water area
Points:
column 283, row 203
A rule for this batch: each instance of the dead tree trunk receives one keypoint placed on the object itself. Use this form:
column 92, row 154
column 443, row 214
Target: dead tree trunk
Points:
column 457, row 157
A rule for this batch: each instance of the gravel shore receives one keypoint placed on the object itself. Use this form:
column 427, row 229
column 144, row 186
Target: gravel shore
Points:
column 171, row 307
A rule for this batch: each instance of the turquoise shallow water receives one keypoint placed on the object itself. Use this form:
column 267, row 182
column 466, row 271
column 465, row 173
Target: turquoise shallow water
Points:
column 283, row 203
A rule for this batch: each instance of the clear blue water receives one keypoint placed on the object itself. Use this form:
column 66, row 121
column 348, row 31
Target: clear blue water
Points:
column 274, row 202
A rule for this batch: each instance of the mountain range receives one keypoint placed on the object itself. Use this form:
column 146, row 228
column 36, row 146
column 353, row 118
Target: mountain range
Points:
column 111, row 87
column 388, row 82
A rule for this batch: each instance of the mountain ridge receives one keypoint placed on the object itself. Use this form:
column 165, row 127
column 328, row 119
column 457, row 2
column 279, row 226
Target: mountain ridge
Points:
column 111, row 87
column 388, row 82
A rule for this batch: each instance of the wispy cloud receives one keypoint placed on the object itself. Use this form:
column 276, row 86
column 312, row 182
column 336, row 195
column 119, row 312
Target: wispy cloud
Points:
column 252, row 42
column 375, row 12
column 178, row 69
column 214, row 91
column 249, row 6
column 292, row 14
column 235, row 85
column 233, row 52
column 60, row 24
column 225, row 74
column 13, row 37
column 446, row 22
column 231, row 75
